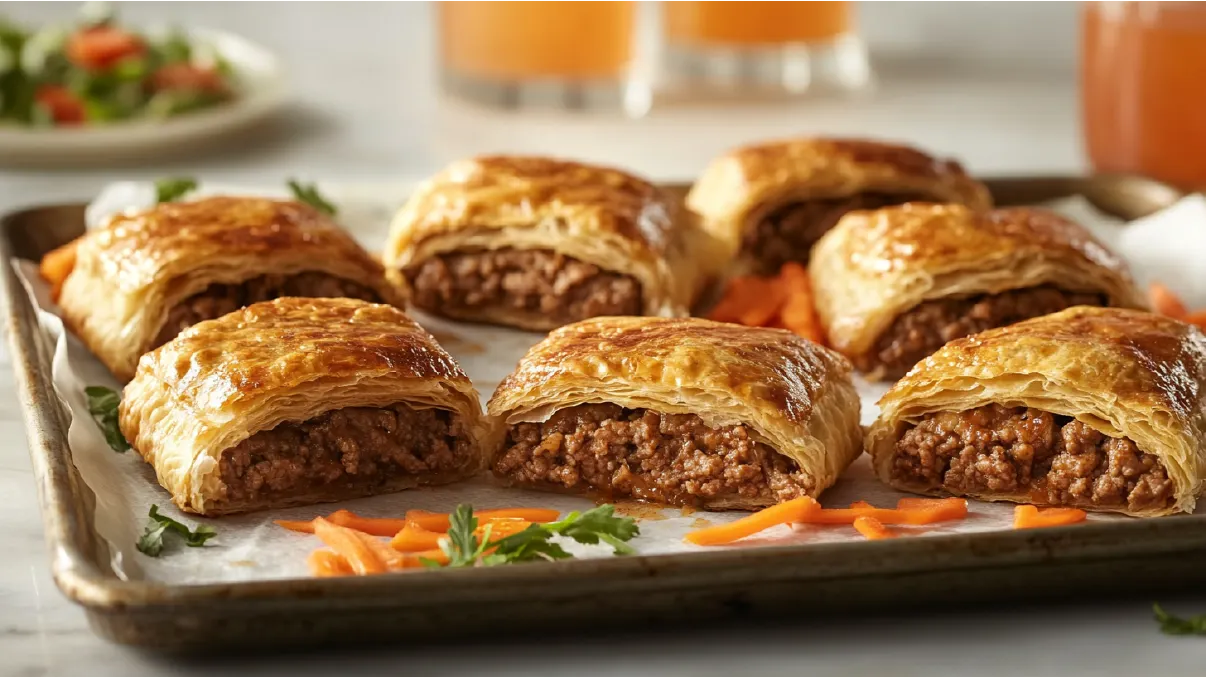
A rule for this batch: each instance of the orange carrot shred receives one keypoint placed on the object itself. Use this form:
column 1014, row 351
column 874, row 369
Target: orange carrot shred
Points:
column 501, row 527
column 306, row 527
column 347, row 542
column 388, row 556
column 377, row 526
column 414, row 560
column 434, row 521
column 872, row 528
column 861, row 505
column 942, row 510
column 1197, row 317
column 1030, row 517
column 795, row 510
column 56, row 265
column 414, row 538
column 743, row 294
column 1165, row 301
column 325, row 563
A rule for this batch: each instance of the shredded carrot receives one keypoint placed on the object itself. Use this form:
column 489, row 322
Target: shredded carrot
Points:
column 388, row 556
column 434, row 521
column 501, row 527
column 414, row 538
column 752, row 301
column 377, row 526
column 324, row 563
column 1030, row 517
column 306, row 527
column 781, row 302
column 795, row 510
column 872, row 528
column 1197, row 317
column 1165, row 301
column 414, row 560
column 56, row 265
column 361, row 556
column 908, row 511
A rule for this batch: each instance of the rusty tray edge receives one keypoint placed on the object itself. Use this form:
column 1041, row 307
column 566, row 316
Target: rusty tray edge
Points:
column 711, row 583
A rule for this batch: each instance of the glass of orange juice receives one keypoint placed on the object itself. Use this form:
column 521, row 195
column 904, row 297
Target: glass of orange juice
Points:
column 561, row 54
column 1143, row 79
column 786, row 47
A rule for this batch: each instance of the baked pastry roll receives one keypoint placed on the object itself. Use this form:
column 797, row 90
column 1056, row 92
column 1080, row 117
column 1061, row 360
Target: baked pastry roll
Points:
column 770, row 202
column 536, row 243
column 145, row 276
column 1098, row 408
column 678, row 411
column 892, row 286
column 297, row 401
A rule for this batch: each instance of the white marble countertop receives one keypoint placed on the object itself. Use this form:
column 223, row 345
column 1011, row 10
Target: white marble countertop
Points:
column 365, row 109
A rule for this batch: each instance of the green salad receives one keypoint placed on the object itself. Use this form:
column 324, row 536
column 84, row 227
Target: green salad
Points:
column 98, row 72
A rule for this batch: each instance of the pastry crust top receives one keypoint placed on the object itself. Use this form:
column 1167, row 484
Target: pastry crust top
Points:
column 289, row 360
column 1125, row 373
column 875, row 265
column 795, row 395
column 746, row 183
column 129, row 274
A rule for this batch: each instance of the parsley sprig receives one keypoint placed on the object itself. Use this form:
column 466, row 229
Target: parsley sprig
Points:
column 170, row 190
column 102, row 404
column 159, row 526
column 597, row 525
column 1175, row 625
column 308, row 193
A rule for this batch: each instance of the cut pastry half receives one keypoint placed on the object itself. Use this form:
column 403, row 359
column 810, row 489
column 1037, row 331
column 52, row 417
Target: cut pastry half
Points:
column 893, row 285
column 769, row 203
column 677, row 411
column 536, row 243
column 298, row 401
column 1096, row 408
column 145, row 276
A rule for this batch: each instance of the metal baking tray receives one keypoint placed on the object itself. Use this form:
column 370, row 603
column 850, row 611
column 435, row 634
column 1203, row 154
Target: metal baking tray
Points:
column 993, row 567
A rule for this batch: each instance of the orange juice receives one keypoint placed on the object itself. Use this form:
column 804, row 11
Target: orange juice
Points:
column 754, row 23
column 1144, row 89
column 519, row 41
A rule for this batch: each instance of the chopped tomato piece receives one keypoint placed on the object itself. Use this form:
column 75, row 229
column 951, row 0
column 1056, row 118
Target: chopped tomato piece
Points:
column 65, row 107
column 187, row 76
column 100, row 47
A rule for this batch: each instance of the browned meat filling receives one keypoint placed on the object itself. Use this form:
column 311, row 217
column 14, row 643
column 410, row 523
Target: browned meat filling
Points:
column 666, row 458
column 219, row 299
column 533, row 282
column 1017, row 450
column 929, row 326
column 349, row 451
column 788, row 233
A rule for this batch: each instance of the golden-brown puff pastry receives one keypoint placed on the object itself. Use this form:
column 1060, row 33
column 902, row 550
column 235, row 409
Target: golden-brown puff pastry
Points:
column 536, row 243
column 144, row 276
column 768, row 203
column 679, row 411
column 893, row 285
column 297, row 401
column 1099, row 408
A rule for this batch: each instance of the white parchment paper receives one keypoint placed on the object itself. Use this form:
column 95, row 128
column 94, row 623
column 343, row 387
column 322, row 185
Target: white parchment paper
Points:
column 1169, row 247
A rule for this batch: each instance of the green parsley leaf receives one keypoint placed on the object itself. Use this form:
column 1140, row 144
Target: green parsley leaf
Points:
column 151, row 543
column 170, row 190
column 1175, row 625
column 102, row 404
column 533, row 544
column 309, row 194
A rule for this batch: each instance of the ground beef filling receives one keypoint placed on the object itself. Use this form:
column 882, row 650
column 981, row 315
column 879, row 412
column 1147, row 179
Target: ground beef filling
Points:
column 788, row 233
column 354, row 450
column 1017, row 450
column 533, row 282
column 667, row 458
column 219, row 299
column 926, row 328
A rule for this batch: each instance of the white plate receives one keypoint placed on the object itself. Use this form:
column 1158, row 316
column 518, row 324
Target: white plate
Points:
column 262, row 92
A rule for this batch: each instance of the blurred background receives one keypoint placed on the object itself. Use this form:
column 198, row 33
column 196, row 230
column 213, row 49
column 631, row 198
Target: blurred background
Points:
column 395, row 90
